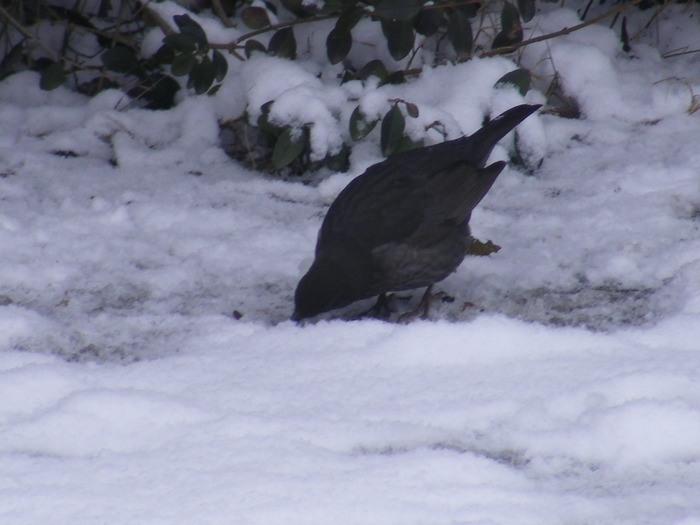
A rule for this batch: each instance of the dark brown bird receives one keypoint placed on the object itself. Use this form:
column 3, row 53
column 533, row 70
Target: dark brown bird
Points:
column 403, row 223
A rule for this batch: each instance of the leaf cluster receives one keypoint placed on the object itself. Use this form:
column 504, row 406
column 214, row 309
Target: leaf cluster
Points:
column 454, row 30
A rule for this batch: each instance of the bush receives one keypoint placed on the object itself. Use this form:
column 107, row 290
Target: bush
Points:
column 102, row 45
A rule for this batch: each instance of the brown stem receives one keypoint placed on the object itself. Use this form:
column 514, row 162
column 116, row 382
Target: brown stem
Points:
column 281, row 25
column 565, row 31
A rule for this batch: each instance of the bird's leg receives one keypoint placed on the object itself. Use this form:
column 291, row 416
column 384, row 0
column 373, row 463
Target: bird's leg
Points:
column 423, row 307
column 380, row 310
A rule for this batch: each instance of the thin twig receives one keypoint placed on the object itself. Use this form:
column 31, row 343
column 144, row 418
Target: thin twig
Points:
column 676, row 53
column 275, row 27
column 565, row 31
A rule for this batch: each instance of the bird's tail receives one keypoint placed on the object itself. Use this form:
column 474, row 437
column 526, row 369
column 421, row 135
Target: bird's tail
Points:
column 486, row 138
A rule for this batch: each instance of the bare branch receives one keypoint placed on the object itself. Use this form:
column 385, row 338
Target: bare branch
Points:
column 565, row 31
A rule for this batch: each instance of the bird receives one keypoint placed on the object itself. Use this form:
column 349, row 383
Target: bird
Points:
column 404, row 222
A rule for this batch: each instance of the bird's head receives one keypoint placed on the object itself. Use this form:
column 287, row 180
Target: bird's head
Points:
column 328, row 284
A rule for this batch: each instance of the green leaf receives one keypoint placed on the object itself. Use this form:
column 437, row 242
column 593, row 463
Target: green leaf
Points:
column 298, row 8
column 183, row 65
column 181, row 43
column 373, row 68
column 519, row 78
column 203, row 75
column 459, row 31
column 220, row 65
column 407, row 143
column 283, row 44
column 340, row 161
column 253, row 45
column 288, row 147
column 470, row 10
column 393, row 125
column 52, row 77
column 214, row 90
column 338, row 45
column 255, row 17
column 527, row 9
column 428, row 21
column 120, row 59
column 359, row 126
column 191, row 28
column 158, row 89
column 264, row 121
column 397, row 77
column 403, row 10
column 400, row 37
column 509, row 16
column 349, row 19
column 511, row 29
column 164, row 55
column 334, row 6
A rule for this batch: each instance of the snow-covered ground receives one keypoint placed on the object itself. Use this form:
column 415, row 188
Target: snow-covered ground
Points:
column 562, row 386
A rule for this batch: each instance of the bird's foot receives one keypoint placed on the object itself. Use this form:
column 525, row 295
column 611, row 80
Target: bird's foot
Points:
column 423, row 308
column 380, row 310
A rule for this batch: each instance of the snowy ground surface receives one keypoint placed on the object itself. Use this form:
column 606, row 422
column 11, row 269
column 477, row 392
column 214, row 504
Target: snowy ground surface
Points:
column 562, row 386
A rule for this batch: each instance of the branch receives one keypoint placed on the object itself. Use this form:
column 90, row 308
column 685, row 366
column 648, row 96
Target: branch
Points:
column 565, row 31
column 281, row 25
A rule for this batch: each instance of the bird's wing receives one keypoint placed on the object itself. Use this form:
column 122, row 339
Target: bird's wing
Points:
column 382, row 207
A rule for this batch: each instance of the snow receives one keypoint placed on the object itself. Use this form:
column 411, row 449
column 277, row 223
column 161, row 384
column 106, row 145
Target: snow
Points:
column 560, row 387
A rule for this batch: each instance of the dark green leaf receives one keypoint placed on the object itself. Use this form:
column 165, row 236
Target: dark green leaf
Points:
column 510, row 17
column 252, row 46
column 183, row 65
column 264, row 122
column 470, row 10
column 52, row 77
column 393, row 125
column 506, row 40
column 359, row 127
column 158, row 89
column 334, row 6
column 511, row 29
column 407, row 143
column 191, row 28
column 181, row 42
column 519, row 78
column 527, row 9
column 459, row 31
column 349, row 19
column 255, row 17
column 373, row 68
column 214, row 90
column 400, row 37
column 220, row 65
column 340, row 161
column 120, row 59
column 283, row 44
column 288, row 147
column 398, row 9
column 338, row 45
column 297, row 8
column 203, row 75
column 164, row 55
column 397, row 77
column 428, row 21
